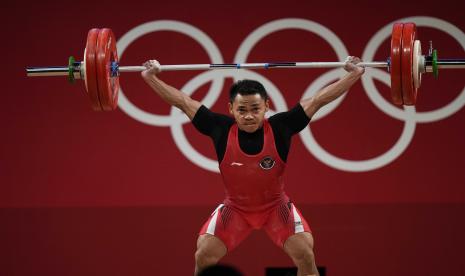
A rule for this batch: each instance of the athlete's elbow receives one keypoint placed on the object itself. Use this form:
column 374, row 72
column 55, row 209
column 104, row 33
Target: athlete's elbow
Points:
column 311, row 105
column 182, row 102
column 317, row 102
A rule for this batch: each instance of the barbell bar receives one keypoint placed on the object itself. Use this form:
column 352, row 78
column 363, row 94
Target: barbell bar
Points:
column 100, row 68
column 64, row 70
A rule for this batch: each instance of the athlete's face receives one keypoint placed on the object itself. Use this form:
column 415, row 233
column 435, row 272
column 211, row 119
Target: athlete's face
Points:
column 249, row 111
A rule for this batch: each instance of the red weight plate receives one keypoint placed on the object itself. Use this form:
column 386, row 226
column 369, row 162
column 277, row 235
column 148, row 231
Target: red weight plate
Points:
column 409, row 92
column 108, row 86
column 91, row 70
column 395, row 67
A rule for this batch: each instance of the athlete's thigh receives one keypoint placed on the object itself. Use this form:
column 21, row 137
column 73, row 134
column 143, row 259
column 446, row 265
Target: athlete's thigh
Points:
column 227, row 225
column 285, row 221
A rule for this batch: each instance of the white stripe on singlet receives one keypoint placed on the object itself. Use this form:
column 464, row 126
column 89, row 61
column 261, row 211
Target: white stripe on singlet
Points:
column 212, row 224
column 298, row 225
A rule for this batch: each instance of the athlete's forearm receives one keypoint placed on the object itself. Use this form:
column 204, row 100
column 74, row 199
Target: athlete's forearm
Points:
column 172, row 95
column 335, row 90
column 330, row 93
column 168, row 93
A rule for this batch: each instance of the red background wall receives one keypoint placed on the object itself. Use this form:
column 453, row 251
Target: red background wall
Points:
column 102, row 193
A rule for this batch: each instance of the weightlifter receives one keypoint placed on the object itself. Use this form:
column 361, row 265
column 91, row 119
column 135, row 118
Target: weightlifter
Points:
column 252, row 153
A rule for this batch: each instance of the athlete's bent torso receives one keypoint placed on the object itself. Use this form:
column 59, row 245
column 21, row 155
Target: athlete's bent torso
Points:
column 252, row 167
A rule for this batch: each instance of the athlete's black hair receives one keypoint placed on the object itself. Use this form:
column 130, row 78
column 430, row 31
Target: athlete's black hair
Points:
column 247, row 87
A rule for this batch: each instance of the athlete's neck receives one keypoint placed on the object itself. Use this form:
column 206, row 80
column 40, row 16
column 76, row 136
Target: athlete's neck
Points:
column 251, row 134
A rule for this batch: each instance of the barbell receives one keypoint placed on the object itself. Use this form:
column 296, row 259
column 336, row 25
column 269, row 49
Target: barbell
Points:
column 100, row 68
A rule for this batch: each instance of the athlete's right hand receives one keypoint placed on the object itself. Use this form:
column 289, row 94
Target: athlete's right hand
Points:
column 351, row 65
column 152, row 68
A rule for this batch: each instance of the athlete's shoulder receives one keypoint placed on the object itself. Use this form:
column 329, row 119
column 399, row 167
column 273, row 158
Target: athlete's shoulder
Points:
column 205, row 113
column 293, row 120
column 207, row 121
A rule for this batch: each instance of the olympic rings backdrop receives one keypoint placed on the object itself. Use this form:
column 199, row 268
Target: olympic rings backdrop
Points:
column 80, row 190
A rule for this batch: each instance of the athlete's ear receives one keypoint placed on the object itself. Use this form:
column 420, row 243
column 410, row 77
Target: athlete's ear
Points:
column 267, row 105
column 230, row 106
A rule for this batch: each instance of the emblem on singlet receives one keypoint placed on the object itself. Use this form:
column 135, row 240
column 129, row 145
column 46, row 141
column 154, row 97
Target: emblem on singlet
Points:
column 267, row 163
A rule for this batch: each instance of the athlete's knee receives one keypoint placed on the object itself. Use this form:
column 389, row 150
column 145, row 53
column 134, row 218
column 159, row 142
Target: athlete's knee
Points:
column 209, row 251
column 304, row 256
column 205, row 257
column 300, row 249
